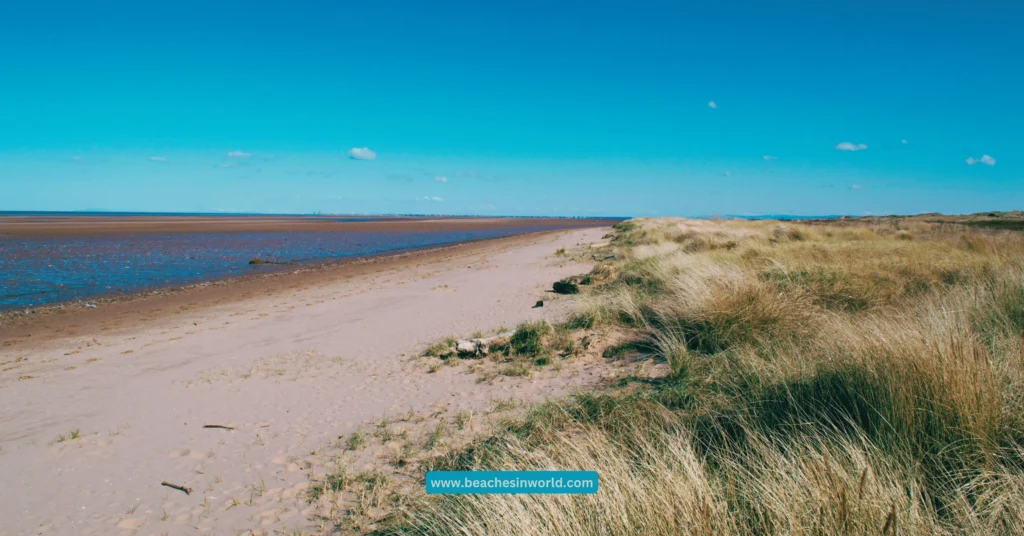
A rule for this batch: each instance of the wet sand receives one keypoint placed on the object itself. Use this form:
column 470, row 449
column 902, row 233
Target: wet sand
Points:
column 290, row 361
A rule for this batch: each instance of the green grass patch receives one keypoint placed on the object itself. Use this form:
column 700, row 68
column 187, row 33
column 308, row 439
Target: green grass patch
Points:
column 440, row 349
column 356, row 441
column 528, row 338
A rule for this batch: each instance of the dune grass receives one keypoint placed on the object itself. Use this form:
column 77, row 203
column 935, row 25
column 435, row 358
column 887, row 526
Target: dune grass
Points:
column 846, row 378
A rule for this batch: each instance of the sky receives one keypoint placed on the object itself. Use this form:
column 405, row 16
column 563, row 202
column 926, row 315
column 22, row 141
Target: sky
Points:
column 513, row 108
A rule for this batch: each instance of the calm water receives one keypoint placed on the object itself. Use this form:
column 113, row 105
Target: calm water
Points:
column 42, row 270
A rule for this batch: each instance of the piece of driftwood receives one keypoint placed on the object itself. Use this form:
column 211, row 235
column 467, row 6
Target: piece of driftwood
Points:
column 607, row 258
column 221, row 426
column 187, row 491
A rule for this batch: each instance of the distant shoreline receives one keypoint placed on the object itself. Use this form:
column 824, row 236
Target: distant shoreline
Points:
column 82, row 225
column 4, row 213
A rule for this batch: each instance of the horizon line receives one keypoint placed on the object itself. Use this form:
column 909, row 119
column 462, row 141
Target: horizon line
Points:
column 781, row 216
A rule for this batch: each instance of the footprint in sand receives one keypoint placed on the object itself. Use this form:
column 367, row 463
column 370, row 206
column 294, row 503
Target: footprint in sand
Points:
column 179, row 453
column 200, row 455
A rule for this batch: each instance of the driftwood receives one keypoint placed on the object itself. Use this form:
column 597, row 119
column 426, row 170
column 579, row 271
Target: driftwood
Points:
column 221, row 426
column 187, row 491
column 606, row 258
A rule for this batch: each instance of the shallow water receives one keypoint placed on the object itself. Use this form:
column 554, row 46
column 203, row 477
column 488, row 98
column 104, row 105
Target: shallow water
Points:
column 44, row 270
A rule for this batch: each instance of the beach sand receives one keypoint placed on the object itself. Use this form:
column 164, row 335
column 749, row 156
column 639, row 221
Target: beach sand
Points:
column 290, row 362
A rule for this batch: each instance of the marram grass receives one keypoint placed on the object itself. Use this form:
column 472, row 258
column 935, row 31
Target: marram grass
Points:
column 848, row 378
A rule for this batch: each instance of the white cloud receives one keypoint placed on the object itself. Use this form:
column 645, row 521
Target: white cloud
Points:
column 728, row 174
column 856, row 187
column 239, row 154
column 158, row 159
column 76, row 158
column 769, row 157
column 711, row 104
column 226, row 165
column 441, row 179
column 847, row 146
column 435, row 198
column 904, row 142
column 985, row 159
column 365, row 153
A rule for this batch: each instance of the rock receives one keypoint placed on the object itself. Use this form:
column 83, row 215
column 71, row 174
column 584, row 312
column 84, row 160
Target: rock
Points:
column 566, row 286
column 470, row 348
column 465, row 348
column 540, row 303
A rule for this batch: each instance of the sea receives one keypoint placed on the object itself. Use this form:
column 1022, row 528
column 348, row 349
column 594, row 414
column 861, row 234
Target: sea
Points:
column 43, row 270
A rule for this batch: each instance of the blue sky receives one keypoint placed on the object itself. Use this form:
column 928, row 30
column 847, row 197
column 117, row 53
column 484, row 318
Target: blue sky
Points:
column 525, row 108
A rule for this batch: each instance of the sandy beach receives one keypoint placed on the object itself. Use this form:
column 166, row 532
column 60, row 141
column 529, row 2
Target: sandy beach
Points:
column 100, row 406
column 469, row 269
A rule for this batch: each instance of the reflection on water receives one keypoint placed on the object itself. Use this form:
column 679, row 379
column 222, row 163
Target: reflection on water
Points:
column 41, row 270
